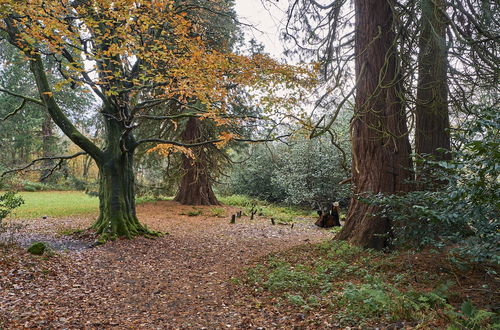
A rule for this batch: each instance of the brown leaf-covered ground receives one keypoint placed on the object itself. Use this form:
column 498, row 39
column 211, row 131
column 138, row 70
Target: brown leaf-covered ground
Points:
column 181, row 280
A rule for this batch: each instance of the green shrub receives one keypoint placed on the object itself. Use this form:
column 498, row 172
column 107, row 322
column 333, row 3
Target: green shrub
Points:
column 218, row 212
column 8, row 202
column 194, row 213
column 463, row 208
column 469, row 317
column 305, row 172
column 35, row 186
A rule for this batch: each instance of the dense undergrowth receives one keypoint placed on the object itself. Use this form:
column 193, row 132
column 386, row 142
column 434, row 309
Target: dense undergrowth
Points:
column 366, row 288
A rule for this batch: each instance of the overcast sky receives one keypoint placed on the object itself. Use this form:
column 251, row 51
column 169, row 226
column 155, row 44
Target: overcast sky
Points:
column 267, row 19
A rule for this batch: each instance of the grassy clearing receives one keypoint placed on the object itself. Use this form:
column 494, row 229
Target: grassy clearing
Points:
column 284, row 214
column 367, row 288
column 55, row 204
column 64, row 203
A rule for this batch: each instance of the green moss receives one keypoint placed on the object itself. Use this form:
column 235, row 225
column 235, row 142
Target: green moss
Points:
column 37, row 248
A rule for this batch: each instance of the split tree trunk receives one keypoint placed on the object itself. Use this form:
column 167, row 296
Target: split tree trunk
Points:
column 196, row 183
column 380, row 146
column 432, row 117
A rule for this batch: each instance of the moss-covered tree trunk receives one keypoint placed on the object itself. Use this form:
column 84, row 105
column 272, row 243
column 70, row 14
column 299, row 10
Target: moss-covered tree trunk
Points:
column 117, row 214
column 117, row 217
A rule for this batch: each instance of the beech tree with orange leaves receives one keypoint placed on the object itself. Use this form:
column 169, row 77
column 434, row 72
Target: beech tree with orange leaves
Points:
column 134, row 56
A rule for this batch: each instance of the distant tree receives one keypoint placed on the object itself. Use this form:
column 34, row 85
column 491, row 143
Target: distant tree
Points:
column 432, row 136
column 34, row 136
column 218, row 27
column 196, row 183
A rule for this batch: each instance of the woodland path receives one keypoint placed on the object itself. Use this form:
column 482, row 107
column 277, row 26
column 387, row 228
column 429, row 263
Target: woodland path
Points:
column 181, row 280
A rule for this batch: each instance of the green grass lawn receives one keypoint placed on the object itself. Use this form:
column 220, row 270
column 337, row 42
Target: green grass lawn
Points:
column 55, row 204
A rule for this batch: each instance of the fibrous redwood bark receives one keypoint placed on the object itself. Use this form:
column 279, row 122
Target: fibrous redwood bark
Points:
column 432, row 118
column 196, row 184
column 380, row 146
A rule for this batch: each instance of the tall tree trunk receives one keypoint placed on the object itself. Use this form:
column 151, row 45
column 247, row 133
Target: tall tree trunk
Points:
column 117, row 213
column 196, row 183
column 380, row 146
column 48, row 146
column 432, row 118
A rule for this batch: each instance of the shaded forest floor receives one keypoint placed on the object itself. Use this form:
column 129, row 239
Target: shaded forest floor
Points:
column 210, row 274
column 179, row 280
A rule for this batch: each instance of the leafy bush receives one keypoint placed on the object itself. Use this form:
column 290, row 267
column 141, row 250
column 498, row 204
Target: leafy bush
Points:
column 254, row 178
column 35, row 186
column 310, row 174
column 469, row 317
column 463, row 209
column 8, row 202
column 305, row 173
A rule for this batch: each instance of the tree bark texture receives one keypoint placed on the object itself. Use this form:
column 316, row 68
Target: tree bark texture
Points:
column 196, row 184
column 117, row 213
column 380, row 147
column 48, row 146
column 432, row 118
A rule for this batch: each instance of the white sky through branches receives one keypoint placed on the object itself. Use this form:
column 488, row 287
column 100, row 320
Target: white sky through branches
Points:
column 267, row 17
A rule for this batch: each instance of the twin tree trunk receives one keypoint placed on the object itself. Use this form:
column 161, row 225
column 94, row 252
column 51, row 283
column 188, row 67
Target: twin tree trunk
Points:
column 432, row 118
column 380, row 147
column 196, row 183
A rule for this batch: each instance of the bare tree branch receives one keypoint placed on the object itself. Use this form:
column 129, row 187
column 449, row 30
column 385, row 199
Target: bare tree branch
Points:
column 26, row 98
column 33, row 162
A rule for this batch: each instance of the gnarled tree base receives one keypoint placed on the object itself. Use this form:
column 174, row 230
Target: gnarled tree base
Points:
column 120, row 225
column 364, row 229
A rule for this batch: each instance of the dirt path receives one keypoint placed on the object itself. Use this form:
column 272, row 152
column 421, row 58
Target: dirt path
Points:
column 182, row 280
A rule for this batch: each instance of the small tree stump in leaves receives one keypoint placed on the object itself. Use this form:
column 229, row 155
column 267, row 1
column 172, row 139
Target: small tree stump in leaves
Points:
column 233, row 218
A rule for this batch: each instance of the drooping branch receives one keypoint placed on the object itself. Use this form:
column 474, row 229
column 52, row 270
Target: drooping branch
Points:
column 33, row 162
